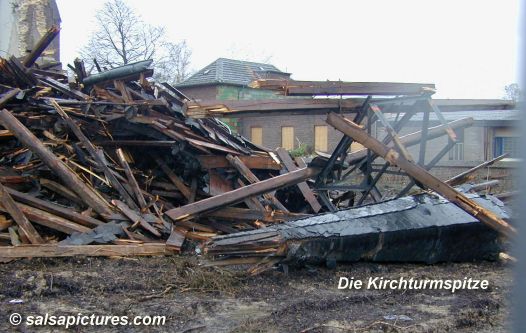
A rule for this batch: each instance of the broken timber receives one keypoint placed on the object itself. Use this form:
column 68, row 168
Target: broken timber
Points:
column 420, row 174
column 307, row 88
column 238, row 195
column 65, row 174
column 304, row 188
column 464, row 176
column 25, row 226
column 146, row 249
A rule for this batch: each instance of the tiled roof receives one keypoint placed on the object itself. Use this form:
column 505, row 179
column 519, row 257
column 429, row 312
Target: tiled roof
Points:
column 229, row 71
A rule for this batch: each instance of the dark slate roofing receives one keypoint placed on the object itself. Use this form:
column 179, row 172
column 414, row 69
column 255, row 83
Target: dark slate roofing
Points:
column 229, row 71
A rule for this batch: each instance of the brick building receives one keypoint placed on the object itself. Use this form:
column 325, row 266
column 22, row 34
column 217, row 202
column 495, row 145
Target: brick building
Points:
column 492, row 134
column 228, row 79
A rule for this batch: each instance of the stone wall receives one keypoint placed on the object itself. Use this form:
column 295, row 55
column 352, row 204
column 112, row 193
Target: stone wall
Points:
column 24, row 22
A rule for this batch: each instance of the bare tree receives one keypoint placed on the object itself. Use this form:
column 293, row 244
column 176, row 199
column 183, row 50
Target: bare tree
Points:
column 122, row 37
column 513, row 92
column 173, row 66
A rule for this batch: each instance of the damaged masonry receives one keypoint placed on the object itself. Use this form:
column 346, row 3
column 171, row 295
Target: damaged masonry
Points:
column 116, row 164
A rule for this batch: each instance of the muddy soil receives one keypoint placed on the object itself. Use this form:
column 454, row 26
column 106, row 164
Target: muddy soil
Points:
column 199, row 299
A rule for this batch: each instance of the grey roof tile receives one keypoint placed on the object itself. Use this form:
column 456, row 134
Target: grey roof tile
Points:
column 229, row 71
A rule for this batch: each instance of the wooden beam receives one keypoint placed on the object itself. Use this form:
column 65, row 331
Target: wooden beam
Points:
column 240, row 194
column 61, row 190
column 213, row 108
column 176, row 180
column 44, row 251
column 415, row 137
column 42, row 44
column 307, row 88
column 420, row 174
column 23, row 223
column 132, row 182
column 252, row 179
column 219, row 185
column 243, row 214
column 67, row 213
column 54, row 222
column 95, row 154
column 464, row 176
column 176, row 239
column 69, row 178
column 135, row 217
column 8, row 96
column 304, row 188
column 251, row 161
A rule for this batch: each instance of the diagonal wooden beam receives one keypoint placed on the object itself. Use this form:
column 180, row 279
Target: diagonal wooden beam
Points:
column 420, row 174
column 304, row 188
column 23, row 223
column 69, row 178
column 238, row 195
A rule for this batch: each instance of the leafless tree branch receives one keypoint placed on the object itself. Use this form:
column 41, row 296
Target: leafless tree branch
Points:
column 122, row 37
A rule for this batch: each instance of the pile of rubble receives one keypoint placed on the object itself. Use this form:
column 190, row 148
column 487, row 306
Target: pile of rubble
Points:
column 113, row 163
column 112, row 158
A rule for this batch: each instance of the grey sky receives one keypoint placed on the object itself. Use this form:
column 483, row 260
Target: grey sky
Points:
column 467, row 48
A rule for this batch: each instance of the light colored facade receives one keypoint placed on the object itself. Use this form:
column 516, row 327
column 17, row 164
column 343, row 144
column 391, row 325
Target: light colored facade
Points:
column 23, row 23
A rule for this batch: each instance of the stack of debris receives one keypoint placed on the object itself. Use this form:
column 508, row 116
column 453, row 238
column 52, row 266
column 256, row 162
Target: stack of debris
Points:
column 111, row 158
column 114, row 163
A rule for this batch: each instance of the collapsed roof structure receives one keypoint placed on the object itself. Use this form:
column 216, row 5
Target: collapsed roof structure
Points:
column 114, row 163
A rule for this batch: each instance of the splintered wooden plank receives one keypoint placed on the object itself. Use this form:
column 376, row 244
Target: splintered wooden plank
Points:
column 253, row 202
column 23, row 223
column 421, row 175
column 132, row 182
column 243, row 214
column 243, row 170
column 69, row 178
column 176, row 239
column 8, row 95
column 96, row 155
column 299, row 88
column 64, row 88
column 464, row 176
column 119, row 85
column 43, row 251
column 304, row 188
column 42, row 44
column 67, row 213
column 251, row 161
column 135, row 217
column 51, row 221
column 219, row 185
column 176, row 180
column 240, row 194
column 61, row 190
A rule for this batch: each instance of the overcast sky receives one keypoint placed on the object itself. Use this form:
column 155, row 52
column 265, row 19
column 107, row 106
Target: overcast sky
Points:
column 469, row 49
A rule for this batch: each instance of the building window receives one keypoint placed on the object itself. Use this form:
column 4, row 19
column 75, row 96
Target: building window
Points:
column 321, row 138
column 256, row 135
column 506, row 144
column 287, row 137
column 457, row 152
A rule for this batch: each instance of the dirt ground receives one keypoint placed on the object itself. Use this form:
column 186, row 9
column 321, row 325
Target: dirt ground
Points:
column 201, row 299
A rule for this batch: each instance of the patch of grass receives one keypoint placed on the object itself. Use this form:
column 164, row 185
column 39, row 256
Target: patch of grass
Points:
column 190, row 276
column 302, row 150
